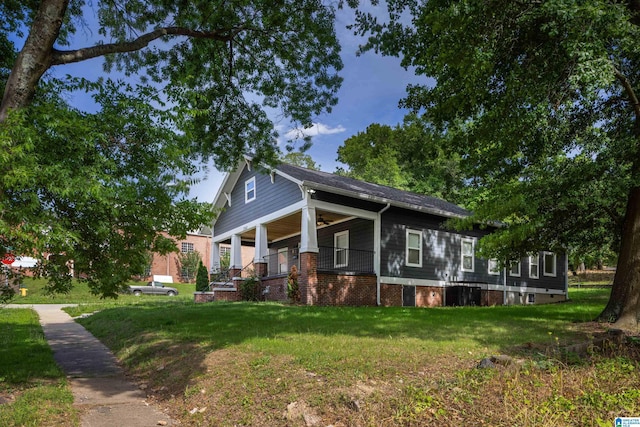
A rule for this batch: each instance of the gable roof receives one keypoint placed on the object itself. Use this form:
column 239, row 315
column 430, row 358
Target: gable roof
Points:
column 373, row 192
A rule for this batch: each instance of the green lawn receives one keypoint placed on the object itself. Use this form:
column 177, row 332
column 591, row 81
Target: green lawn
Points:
column 81, row 294
column 249, row 361
column 32, row 386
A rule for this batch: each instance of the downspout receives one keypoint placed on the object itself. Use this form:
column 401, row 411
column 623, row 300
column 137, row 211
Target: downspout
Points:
column 504, row 287
column 377, row 240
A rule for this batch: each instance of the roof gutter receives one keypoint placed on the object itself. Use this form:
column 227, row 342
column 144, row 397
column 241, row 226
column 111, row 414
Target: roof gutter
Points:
column 377, row 238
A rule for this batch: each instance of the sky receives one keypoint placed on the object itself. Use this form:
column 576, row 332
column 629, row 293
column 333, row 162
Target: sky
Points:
column 372, row 87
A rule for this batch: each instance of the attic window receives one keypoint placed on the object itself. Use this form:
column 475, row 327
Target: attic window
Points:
column 250, row 190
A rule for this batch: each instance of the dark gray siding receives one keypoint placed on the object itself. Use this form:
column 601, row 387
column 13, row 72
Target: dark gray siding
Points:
column 556, row 282
column 360, row 234
column 442, row 254
column 270, row 197
column 441, row 249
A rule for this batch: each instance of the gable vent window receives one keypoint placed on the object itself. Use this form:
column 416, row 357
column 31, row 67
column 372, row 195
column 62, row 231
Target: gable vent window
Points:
column 250, row 190
column 186, row 247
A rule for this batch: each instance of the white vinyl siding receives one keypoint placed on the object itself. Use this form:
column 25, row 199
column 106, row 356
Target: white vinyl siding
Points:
column 414, row 249
column 468, row 258
column 549, row 264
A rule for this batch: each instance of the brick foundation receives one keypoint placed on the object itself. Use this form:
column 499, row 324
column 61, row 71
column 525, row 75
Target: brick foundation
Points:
column 391, row 295
column 342, row 289
column 428, row 296
column 277, row 288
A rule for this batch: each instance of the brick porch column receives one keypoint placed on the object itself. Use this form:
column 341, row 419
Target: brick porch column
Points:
column 234, row 274
column 308, row 277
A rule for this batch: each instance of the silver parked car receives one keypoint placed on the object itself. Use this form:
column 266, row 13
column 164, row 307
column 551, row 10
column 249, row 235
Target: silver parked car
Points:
column 153, row 288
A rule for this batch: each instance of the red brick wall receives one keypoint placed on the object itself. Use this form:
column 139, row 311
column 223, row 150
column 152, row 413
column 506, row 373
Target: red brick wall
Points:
column 492, row 297
column 391, row 295
column 227, row 296
column 166, row 265
column 338, row 289
column 277, row 288
column 427, row 296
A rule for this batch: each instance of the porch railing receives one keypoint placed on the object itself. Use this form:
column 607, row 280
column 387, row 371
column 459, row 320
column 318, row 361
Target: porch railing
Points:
column 221, row 278
column 347, row 260
column 329, row 259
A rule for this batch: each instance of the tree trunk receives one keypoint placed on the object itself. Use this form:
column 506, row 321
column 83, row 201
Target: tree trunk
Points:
column 624, row 303
column 34, row 58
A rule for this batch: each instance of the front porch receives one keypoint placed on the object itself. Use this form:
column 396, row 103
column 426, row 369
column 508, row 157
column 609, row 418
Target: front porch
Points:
column 341, row 270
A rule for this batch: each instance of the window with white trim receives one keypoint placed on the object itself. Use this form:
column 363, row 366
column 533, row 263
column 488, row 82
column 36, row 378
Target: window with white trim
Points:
column 514, row 269
column 549, row 264
column 534, row 266
column 341, row 249
column 468, row 258
column 250, row 190
column 283, row 264
column 186, row 247
column 493, row 267
column 414, row 248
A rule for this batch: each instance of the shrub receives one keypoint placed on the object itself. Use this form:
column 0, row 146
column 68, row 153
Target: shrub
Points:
column 202, row 278
column 250, row 289
column 293, row 291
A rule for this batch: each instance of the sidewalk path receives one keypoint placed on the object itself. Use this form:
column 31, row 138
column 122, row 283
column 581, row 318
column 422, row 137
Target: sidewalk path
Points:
column 100, row 389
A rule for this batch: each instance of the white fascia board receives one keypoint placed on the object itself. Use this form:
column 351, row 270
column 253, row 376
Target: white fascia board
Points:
column 388, row 280
column 344, row 210
column 527, row 289
column 262, row 220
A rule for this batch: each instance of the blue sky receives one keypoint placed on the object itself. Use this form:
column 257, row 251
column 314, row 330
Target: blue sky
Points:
column 370, row 92
column 372, row 87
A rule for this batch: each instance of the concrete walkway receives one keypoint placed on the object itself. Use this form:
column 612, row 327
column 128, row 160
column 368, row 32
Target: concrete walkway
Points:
column 100, row 389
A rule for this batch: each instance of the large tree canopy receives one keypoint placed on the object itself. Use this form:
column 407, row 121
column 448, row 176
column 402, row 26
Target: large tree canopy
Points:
column 410, row 156
column 96, row 188
column 540, row 99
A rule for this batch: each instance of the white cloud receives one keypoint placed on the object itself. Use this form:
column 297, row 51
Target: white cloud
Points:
column 314, row 130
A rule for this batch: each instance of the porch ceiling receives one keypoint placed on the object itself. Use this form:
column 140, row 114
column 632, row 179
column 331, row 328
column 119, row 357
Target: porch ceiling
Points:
column 291, row 224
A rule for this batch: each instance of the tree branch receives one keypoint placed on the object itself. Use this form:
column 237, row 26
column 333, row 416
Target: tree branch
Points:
column 633, row 98
column 69, row 56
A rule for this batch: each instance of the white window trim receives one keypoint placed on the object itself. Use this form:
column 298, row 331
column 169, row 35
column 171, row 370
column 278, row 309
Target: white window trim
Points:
column 493, row 272
column 544, row 264
column 406, row 260
column 336, row 249
column 284, row 251
column 537, row 264
column 248, row 199
column 190, row 247
column 519, row 269
column 473, row 254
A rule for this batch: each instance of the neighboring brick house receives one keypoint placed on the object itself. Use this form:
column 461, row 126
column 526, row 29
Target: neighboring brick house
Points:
column 357, row 243
column 167, row 265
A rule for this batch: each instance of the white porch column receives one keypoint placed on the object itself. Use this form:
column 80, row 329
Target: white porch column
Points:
column 215, row 257
column 309, row 237
column 236, row 252
column 261, row 244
